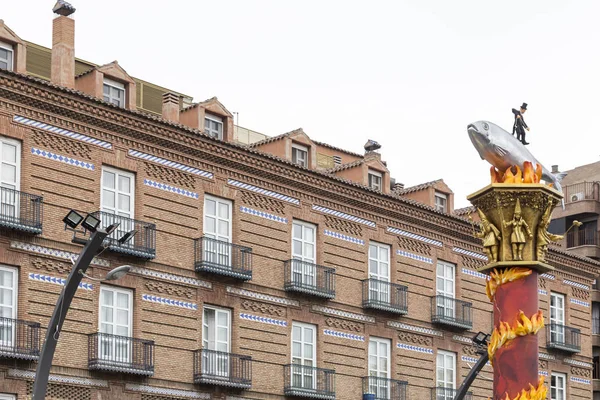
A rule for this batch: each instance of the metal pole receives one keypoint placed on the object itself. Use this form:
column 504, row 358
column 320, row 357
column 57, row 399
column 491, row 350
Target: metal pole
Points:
column 462, row 390
column 60, row 312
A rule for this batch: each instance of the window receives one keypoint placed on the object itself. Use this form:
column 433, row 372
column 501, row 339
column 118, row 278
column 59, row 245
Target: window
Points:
column 595, row 318
column 217, row 228
column 114, row 92
column 445, row 374
column 300, row 155
column 6, row 56
column 441, row 200
column 557, row 317
column 10, row 174
column 379, row 367
column 213, row 126
column 4, row 396
column 304, row 249
column 445, row 288
column 8, row 305
column 558, row 386
column 375, row 179
column 379, row 272
column 216, row 333
column 115, row 320
column 304, row 355
column 117, row 200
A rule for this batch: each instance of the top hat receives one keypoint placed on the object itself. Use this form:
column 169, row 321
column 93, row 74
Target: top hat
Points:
column 524, row 106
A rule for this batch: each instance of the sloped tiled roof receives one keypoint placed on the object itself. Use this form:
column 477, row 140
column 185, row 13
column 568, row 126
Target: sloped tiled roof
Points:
column 465, row 211
column 583, row 173
column 418, row 187
column 346, row 166
column 274, row 138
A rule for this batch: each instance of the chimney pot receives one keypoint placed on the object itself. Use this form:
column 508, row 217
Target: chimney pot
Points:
column 398, row 186
column 555, row 169
column 170, row 107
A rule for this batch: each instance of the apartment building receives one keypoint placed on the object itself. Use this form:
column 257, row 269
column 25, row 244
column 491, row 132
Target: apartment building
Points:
column 282, row 268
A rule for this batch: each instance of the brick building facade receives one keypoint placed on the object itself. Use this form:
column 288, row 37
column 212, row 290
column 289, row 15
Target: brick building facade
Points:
column 253, row 277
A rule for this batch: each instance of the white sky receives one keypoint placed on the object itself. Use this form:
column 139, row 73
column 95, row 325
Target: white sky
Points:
column 410, row 75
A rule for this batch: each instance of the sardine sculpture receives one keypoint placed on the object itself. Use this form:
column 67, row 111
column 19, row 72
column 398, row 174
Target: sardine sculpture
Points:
column 503, row 150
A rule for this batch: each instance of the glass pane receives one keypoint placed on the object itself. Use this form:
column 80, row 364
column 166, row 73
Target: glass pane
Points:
column 222, row 334
column 297, row 231
column 6, row 312
column 122, row 300
column 296, row 349
column 222, row 319
column 106, row 90
column 224, row 210
column 107, row 298
column 6, row 279
column 6, row 297
column 124, row 184
column 372, row 251
column 210, row 225
column 308, row 351
column 9, row 173
column 106, row 315
column 372, row 347
column 9, row 153
column 309, row 251
column 206, row 124
column 122, row 317
column 210, row 207
column 373, row 267
column 122, row 331
column 383, row 254
column 297, row 247
column 223, row 228
column 296, row 333
column 308, row 335
column 310, row 235
column 372, row 363
column 124, row 202
column 108, row 180
column 108, row 199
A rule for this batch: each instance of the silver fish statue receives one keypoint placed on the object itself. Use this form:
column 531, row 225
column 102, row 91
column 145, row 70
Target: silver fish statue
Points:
column 503, row 150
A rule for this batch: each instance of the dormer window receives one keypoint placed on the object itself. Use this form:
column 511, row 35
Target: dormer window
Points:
column 300, row 155
column 213, row 126
column 114, row 92
column 375, row 180
column 441, row 202
column 6, row 56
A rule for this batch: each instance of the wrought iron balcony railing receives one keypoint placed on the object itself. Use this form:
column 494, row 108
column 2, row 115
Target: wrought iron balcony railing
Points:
column 21, row 211
column 596, row 370
column 223, row 258
column 120, row 354
column 19, row 339
column 304, row 381
column 452, row 312
column 142, row 245
column 563, row 337
column 384, row 388
column 582, row 237
column 222, row 369
column 441, row 393
column 595, row 326
column 306, row 277
column 386, row 296
column 582, row 191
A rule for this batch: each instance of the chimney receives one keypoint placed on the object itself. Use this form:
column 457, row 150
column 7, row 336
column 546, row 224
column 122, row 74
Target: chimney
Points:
column 170, row 107
column 398, row 187
column 555, row 169
column 63, row 45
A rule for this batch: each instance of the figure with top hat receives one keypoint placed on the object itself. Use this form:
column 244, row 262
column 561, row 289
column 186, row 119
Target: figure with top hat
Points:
column 490, row 236
column 518, row 238
column 519, row 125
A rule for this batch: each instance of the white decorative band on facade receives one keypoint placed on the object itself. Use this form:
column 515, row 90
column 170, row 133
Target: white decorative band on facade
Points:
column 548, row 276
column 262, row 191
column 261, row 296
column 414, row 256
column 547, row 356
column 474, row 273
column 542, row 373
column 263, row 320
column 169, row 302
column 341, row 236
column 580, row 303
column 345, row 314
column 63, row 132
column 414, row 236
column 171, row 189
column 578, row 363
column 473, row 360
column 342, row 215
column 418, row 349
column 469, row 253
column 171, row 277
column 581, row 380
column 57, row 281
column 463, row 339
column 414, row 328
column 63, row 159
column 67, row 255
column 262, row 214
column 172, row 164
column 20, row 373
column 166, row 391
column 343, row 335
column 542, row 292
column 576, row 284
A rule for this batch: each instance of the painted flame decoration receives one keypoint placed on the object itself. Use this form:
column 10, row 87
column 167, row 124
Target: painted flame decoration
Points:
column 520, row 176
column 505, row 333
column 498, row 278
column 534, row 393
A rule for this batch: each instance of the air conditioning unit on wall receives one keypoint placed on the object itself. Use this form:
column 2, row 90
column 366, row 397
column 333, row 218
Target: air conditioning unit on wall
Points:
column 577, row 197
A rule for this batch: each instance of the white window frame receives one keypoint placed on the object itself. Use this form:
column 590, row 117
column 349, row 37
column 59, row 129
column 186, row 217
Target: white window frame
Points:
column 114, row 85
column 304, row 272
column 10, row 48
column 381, row 387
column 555, row 387
column 115, row 291
column 219, row 366
column 379, row 292
column 445, row 307
column 15, row 299
column 299, row 149
column 216, row 252
column 557, row 333
column 302, row 372
column 6, row 396
column 126, row 222
column 209, row 130
column 443, row 204
column 372, row 182
column 445, row 382
column 10, row 201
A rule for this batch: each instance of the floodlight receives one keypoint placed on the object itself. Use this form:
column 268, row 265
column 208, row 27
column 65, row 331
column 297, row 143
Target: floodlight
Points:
column 90, row 223
column 480, row 338
column 72, row 219
column 112, row 227
column 127, row 237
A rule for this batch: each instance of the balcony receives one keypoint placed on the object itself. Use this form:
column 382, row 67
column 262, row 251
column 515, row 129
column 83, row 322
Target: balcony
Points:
column 142, row 245
column 584, row 242
column 222, row 369
column 223, row 258
column 19, row 339
column 384, row 389
column 451, row 312
column 303, row 381
column 441, row 393
column 21, row 211
column 309, row 278
column 563, row 337
column 120, row 354
column 580, row 198
column 385, row 296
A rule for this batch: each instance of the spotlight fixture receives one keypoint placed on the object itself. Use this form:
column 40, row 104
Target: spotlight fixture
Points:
column 112, row 227
column 72, row 219
column 481, row 339
column 90, row 223
column 127, row 237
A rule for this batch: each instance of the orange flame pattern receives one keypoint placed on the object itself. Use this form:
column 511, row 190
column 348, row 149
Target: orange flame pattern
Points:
column 516, row 175
column 498, row 278
column 505, row 333
column 534, row 393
